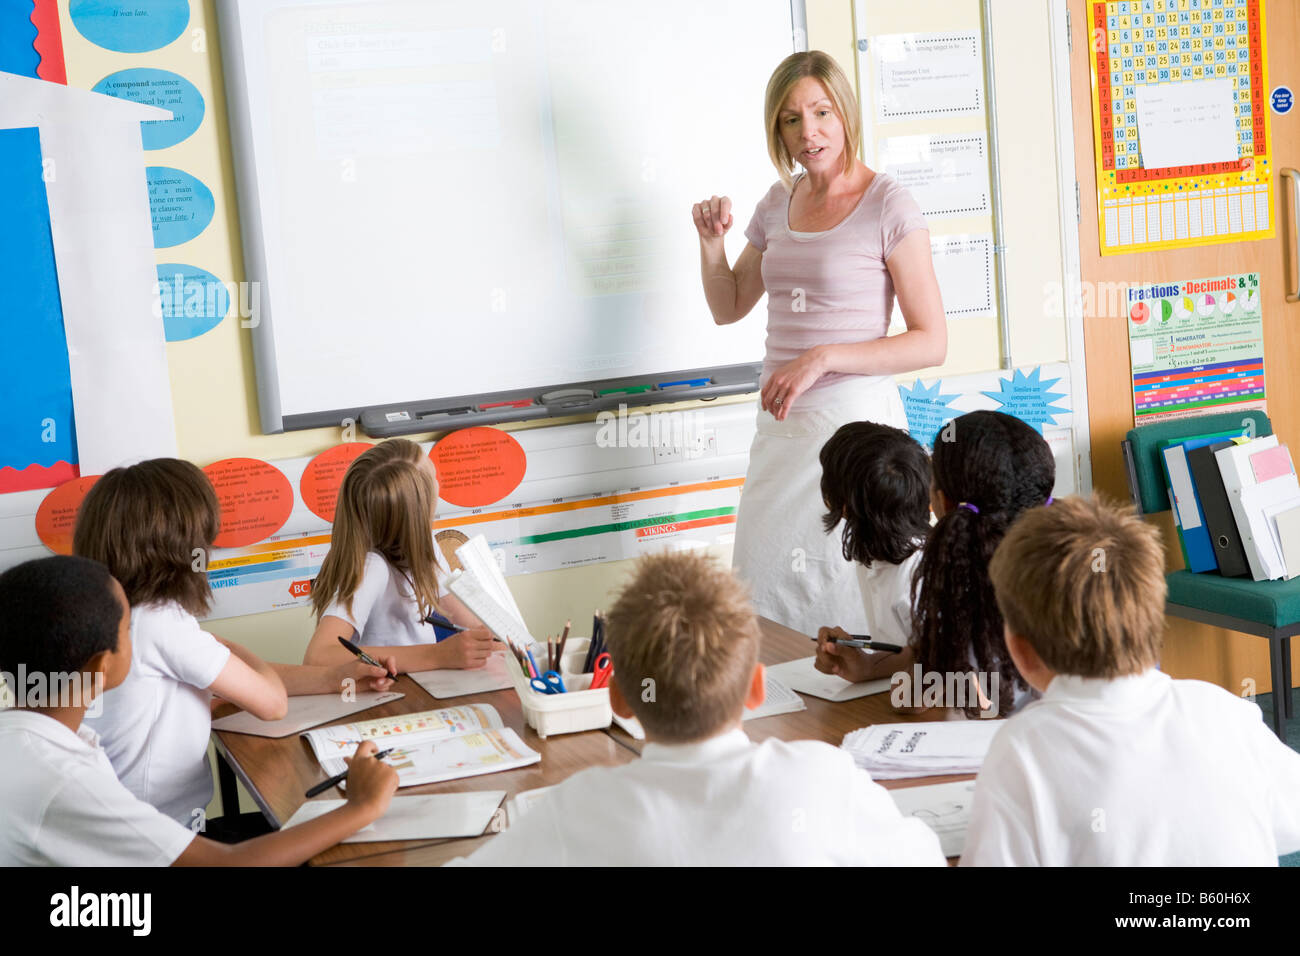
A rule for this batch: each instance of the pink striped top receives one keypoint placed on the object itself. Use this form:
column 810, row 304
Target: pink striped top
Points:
column 829, row 287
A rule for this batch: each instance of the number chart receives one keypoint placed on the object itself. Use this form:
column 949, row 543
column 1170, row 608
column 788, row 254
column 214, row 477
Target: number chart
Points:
column 1144, row 42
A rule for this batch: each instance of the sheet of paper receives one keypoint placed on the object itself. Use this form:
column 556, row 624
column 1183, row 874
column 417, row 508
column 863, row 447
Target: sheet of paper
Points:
column 1257, row 503
column 1276, row 530
column 779, row 699
column 947, row 175
column 1272, row 463
column 943, row 807
column 518, row 805
column 103, row 246
column 1187, row 124
column 632, row 726
column 1288, row 530
column 922, row 749
column 433, row 816
column 305, row 711
column 802, row 676
column 448, row 682
column 932, row 75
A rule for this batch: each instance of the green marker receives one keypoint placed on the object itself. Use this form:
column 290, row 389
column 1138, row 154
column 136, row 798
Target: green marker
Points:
column 626, row 390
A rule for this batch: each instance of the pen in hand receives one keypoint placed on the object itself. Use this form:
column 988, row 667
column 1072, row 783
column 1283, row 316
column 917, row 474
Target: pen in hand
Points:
column 338, row 778
column 864, row 642
column 364, row 657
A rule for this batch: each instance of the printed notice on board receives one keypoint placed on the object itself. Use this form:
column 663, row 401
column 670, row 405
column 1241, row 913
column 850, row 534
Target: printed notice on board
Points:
column 1196, row 346
column 922, row 76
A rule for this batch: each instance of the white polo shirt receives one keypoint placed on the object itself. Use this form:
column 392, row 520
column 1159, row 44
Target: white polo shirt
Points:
column 155, row 725
column 724, row 801
column 384, row 611
column 62, row 805
column 887, row 598
column 1138, row 771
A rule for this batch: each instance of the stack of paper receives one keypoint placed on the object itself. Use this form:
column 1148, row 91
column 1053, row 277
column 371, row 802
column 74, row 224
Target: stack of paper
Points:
column 482, row 586
column 925, row 749
column 309, row 710
column 1261, row 486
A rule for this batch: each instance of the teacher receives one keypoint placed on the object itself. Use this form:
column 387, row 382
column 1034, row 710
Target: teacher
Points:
column 831, row 247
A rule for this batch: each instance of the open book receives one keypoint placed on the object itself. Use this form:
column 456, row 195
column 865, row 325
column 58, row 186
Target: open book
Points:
column 429, row 747
column 483, row 589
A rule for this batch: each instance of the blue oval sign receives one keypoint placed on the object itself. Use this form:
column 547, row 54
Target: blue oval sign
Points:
column 193, row 300
column 1283, row 100
column 132, row 26
column 164, row 89
column 180, row 205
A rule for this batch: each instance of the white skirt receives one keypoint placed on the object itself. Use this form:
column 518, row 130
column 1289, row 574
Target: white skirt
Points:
column 795, row 570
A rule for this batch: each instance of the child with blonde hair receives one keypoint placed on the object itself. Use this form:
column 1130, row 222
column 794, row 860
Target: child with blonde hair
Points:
column 384, row 574
column 1118, row 764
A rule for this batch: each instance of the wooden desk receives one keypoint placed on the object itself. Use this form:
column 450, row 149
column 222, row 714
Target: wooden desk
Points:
column 278, row 772
column 823, row 719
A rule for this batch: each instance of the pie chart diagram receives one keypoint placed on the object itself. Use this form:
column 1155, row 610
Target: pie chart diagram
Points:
column 1229, row 303
column 1166, row 310
column 1184, row 307
column 1205, row 308
column 1251, row 302
column 1140, row 313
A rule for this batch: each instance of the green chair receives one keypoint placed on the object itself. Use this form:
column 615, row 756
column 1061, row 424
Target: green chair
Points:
column 1268, row 609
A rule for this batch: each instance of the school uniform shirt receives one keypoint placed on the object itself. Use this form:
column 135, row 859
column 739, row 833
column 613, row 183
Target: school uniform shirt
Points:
column 1138, row 771
column 384, row 610
column 725, row 800
column 887, row 598
column 62, row 805
column 155, row 725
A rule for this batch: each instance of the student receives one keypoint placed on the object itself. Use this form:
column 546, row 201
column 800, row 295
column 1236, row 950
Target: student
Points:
column 684, row 640
column 1118, row 764
column 67, row 619
column 876, row 479
column 988, row 468
column 151, row 525
column 384, row 574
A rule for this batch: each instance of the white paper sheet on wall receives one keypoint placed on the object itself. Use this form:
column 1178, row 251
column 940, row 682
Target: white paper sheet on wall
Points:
column 963, row 264
column 103, row 250
column 1187, row 124
column 948, row 176
column 925, row 75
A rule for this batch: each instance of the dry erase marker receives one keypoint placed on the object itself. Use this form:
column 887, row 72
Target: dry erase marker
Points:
column 338, row 778
column 864, row 642
column 520, row 403
column 363, row 656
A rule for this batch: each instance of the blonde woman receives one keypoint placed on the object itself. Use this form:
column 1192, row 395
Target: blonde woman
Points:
column 384, row 574
column 832, row 247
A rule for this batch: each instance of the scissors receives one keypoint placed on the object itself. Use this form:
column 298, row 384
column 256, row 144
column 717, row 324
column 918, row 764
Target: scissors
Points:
column 548, row 683
column 601, row 670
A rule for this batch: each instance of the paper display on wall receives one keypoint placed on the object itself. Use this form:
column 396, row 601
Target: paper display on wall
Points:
column 1196, row 346
column 948, row 176
column 920, row 76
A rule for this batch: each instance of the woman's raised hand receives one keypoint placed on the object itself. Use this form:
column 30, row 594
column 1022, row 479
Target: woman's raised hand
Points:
column 712, row 217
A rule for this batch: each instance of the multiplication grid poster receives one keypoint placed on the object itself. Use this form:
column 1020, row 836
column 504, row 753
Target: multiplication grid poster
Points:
column 1181, row 126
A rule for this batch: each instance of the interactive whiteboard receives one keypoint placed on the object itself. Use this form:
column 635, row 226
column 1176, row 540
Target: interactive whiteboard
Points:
column 442, row 200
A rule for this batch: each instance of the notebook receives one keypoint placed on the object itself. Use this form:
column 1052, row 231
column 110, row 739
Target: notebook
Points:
column 308, row 710
column 802, row 676
column 431, row 816
column 429, row 747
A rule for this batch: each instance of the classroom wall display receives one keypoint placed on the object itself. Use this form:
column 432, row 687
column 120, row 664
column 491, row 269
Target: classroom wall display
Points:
column 1181, row 124
column 1196, row 346
column 1039, row 396
column 947, row 175
column 927, row 75
column 129, row 26
column 164, row 89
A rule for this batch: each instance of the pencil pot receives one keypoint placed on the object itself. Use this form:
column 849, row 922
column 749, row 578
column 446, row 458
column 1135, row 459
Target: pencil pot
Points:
column 579, row 708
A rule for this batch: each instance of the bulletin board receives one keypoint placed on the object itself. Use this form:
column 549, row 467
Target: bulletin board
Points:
column 1137, row 43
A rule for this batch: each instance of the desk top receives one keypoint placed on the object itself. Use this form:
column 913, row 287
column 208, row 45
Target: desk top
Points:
column 279, row 772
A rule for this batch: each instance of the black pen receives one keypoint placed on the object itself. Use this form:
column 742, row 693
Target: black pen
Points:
column 363, row 656
column 864, row 641
column 338, row 778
